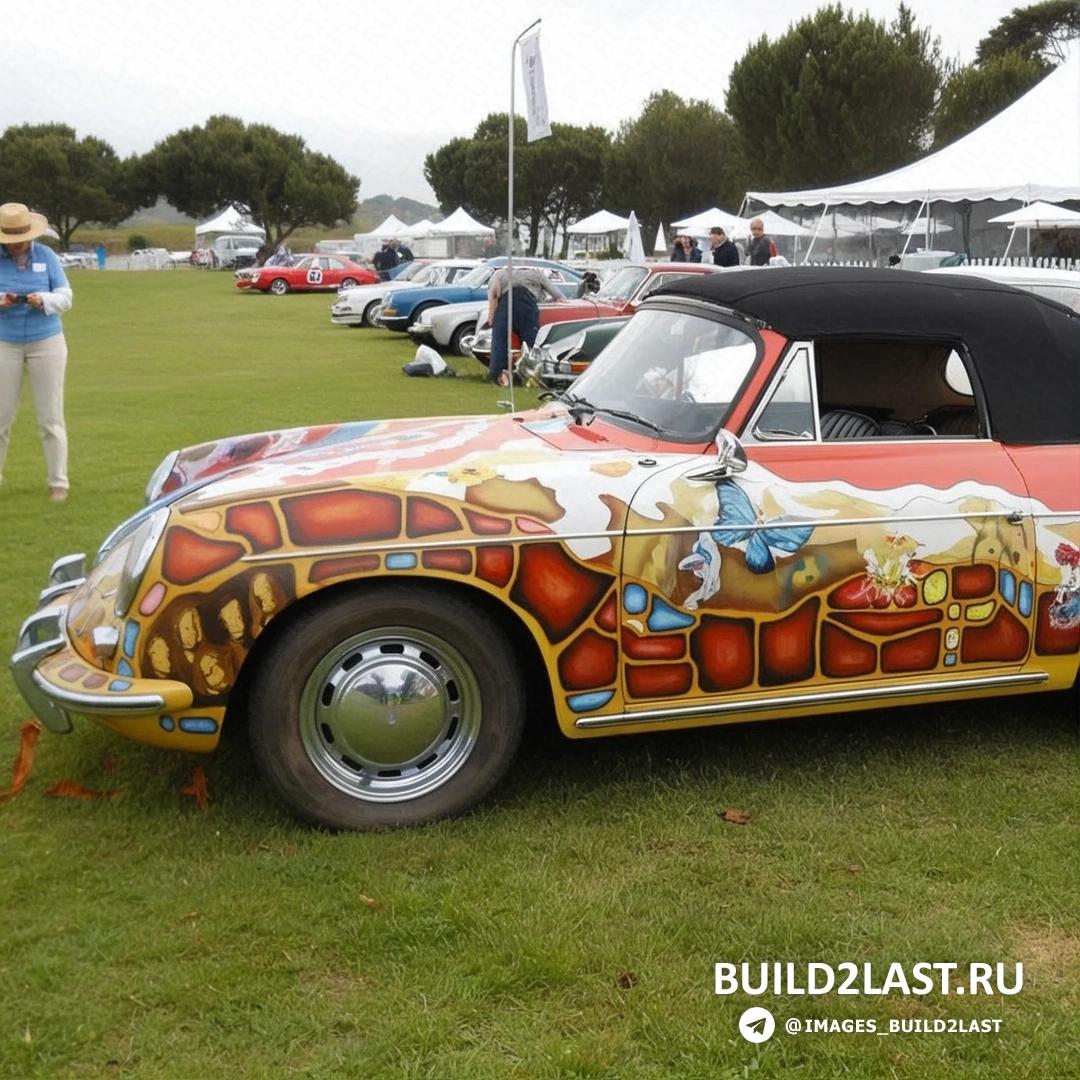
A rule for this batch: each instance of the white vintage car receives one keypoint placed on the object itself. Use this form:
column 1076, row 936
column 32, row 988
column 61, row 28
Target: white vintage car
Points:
column 449, row 326
column 359, row 305
column 1060, row 285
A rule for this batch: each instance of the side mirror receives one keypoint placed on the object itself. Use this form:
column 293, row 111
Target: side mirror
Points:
column 730, row 458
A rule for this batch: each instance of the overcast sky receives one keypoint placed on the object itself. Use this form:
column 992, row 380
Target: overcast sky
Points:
column 380, row 85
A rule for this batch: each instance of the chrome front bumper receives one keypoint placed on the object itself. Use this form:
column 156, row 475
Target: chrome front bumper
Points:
column 55, row 691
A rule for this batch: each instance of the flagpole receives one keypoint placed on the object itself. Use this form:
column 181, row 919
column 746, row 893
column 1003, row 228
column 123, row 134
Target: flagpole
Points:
column 510, row 218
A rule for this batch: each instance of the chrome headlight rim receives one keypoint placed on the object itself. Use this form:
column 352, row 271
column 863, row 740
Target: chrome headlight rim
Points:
column 142, row 543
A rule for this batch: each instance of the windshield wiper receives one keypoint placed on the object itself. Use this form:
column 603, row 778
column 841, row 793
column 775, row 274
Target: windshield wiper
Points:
column 578, row 407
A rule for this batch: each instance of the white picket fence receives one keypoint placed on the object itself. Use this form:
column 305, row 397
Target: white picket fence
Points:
column 1020, row 260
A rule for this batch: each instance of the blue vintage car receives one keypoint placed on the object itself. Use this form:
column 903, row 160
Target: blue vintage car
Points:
column 400, row 309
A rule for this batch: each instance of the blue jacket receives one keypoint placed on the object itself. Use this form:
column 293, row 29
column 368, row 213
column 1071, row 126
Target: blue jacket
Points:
column 43, row 274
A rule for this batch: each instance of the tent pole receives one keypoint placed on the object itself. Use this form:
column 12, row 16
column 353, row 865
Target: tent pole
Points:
column 813, row 239
column 907, row 240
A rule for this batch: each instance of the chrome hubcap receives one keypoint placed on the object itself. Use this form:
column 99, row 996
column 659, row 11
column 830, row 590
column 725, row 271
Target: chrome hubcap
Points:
column 390, row 714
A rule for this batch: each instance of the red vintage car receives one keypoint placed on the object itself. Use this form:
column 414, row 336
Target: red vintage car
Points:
column 617, row 299
column 309, row 273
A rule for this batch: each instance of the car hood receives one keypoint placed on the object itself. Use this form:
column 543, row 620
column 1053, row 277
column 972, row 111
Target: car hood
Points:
column 333, row 454
column 447, row 294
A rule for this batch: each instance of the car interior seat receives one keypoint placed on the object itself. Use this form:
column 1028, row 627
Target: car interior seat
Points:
column 848, row 424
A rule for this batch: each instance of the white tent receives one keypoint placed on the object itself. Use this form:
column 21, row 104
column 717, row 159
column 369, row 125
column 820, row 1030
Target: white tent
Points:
column 420, row 229
column 1030, row 150
column 1040, row 215
column 603, row 221
column 230, row 220
column 777, row 225
column 393, row 226
column 460, row 223
column 700, row 224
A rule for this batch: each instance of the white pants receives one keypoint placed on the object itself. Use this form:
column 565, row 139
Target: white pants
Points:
column 45, row 362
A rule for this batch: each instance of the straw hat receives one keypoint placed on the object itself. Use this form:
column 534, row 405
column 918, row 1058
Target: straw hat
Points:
column 17, row 223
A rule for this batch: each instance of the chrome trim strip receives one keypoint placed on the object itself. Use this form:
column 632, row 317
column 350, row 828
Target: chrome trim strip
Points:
column 605, row 534
column 99, row 704
column 800, row 701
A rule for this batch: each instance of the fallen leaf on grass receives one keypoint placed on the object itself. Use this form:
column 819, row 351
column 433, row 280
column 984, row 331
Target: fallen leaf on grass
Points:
column 28, row 736
column 375, row 905
column 627, row 980
column 198, row 788
column 108, row 763
column 72, row 789
column 736, row 817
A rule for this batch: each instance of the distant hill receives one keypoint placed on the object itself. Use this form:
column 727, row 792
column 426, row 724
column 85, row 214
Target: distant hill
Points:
column 369, row 214
column 161, row 213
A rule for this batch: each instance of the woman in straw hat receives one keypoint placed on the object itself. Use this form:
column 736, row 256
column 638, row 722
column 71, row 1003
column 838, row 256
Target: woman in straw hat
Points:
column 33, row 293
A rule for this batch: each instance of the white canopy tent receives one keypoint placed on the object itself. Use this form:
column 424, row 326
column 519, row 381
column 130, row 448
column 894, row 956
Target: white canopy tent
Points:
column 599, row 224
column 230, row 220
column 1028, row 151
column 700, row 224
column 420, row 229
column 1037, row 215
column 391, row 228
column 460, row 223
column 1040, row 215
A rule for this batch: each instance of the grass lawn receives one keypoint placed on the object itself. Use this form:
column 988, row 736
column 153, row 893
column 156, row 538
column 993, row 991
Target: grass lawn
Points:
column 570, row 927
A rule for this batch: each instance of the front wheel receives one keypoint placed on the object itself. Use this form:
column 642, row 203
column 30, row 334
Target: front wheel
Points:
column 371, row 313
column 279, row 286
column 462, row 338
column 386, row 708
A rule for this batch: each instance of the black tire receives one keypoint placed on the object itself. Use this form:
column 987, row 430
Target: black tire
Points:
column 349, row 283
column 339, row 753
column 370, row 312
column 464, row 330
column 279, row 286
column 419, row 310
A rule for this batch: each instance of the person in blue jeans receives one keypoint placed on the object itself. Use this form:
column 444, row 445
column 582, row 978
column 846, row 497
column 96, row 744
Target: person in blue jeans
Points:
column 529, row 283
column 34, row 292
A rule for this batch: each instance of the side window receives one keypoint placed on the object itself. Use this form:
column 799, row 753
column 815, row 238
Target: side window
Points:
column 894, row 390
column 789, row 411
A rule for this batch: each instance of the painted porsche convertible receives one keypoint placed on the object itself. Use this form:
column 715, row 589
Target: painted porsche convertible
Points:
column 772, row 494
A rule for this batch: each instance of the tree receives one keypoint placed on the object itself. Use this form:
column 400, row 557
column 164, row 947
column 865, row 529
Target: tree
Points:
column 978, row 91
column 1039, row 31
column 835, row 98
column 274, row 177
column 554, row 178
column 676, row 158
column 70, row 180
column 1026, row 45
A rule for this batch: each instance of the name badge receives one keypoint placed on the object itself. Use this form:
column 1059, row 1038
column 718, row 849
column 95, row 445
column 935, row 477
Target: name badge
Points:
column 38, row 268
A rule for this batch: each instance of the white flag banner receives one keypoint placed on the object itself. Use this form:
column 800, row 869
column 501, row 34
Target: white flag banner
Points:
column 536, row 106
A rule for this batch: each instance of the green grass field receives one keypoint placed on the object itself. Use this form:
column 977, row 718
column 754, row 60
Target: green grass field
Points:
column 569, row 928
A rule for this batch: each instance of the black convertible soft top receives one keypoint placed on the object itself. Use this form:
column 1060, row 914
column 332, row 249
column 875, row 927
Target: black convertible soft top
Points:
column 1026, row 349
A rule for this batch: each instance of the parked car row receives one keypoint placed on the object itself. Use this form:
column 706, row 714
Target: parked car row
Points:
column 362, row 305
column 572, row 335
column 776, row 492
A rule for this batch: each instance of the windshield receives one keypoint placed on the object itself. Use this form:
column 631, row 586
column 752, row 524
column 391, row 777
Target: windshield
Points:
column 416, row 271
column 620, row 287
column 476, row 277
column 677, row 371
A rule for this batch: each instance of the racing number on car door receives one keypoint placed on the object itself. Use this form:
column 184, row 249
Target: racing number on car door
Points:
column 314, row 276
